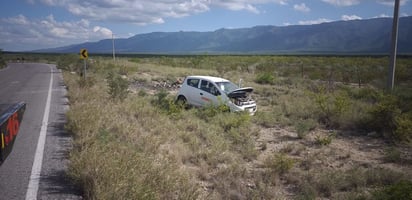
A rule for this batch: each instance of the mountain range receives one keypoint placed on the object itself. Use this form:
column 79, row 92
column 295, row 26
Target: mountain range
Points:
column 355, row 36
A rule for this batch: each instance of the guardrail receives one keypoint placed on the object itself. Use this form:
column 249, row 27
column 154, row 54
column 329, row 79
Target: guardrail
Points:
column 9, row 127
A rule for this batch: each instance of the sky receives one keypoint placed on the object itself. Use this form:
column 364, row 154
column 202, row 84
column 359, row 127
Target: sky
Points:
column 38, row 24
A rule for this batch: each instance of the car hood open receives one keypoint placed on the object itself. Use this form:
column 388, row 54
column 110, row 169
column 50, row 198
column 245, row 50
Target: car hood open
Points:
column 241, row 92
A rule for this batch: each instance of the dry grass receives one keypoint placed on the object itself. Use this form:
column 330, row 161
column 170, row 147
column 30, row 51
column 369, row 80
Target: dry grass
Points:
column 146, row 148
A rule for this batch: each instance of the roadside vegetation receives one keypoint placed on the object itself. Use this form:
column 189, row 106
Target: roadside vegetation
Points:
column 2, row 61
column 325, row 128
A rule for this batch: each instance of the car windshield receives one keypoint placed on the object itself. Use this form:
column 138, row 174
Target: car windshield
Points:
column 227, row 86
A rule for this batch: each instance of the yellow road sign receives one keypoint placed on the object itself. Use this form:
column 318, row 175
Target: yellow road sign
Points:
column 83, row 54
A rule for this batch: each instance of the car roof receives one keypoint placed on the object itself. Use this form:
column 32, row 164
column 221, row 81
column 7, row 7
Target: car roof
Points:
column 210, row 78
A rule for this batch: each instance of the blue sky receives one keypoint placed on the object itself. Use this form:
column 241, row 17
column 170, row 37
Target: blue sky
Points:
column 37, row 24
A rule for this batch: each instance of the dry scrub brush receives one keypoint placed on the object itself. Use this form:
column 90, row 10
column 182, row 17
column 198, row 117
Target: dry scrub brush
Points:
column 147, row 147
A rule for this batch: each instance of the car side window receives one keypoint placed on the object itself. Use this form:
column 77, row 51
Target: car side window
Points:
column 193, row 82
column 214, row 90
column 204, row 85
column 209, row 87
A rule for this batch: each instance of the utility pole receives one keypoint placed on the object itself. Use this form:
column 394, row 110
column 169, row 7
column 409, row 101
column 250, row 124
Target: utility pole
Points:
column 114, row 57
column 392, row 59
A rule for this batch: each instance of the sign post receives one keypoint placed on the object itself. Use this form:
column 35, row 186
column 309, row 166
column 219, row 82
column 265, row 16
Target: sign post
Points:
column 392, row 58
column 84, row 55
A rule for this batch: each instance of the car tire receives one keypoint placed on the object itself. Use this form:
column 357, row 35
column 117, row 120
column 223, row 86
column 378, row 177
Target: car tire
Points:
column 182, row 101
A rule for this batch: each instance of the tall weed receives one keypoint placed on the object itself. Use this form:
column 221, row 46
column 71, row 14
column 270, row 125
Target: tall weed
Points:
column 118, row 86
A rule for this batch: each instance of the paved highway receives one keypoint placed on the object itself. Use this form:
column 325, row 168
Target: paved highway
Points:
column 31, row 172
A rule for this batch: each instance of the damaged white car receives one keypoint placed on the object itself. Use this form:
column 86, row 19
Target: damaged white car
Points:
column 207, row 90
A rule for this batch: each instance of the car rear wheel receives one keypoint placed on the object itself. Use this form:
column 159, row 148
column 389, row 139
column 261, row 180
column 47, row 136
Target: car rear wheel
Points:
column 182, row 101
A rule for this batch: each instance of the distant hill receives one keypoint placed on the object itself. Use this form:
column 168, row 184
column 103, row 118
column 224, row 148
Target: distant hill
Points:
column 356, row 36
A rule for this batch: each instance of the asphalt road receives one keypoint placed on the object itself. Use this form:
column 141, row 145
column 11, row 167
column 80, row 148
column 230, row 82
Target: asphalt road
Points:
column 30, row 82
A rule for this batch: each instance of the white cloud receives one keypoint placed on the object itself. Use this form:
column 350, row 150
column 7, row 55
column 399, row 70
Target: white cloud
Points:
column 104, row 32
column 350, row 17
column 392, row 2
column 152, row 12
column 249, row 5
column 317, row 21
column 383, row 16
column 50, row 32
column 18, row 20
column 342, row 2
column 54, row 33
column 237, row 5
column 301, row 7
column 404, row 15
column 283, row 3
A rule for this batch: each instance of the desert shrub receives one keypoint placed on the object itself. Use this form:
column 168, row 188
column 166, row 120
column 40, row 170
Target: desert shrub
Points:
column 142, row 93
column 70, row 62
column 382, row 177
column 401, row 190
column 279, row 163
column 209, row 111
column 304, row 126
column 106, row 171
column 403, row 124
column 265, row 78
column 233, row 120
column 324, row 140
column 391, row 117
column 330, row 182
column 165, row 103
column 118, row 86
column 2, row 61
column 392, row 155
column 383, row 114
column 235, row 129
column 387, row 118
column 86, row 82
column 271, row 119
column 331, row 107
column 123, row 70
column 366, row 94
column 307, row 191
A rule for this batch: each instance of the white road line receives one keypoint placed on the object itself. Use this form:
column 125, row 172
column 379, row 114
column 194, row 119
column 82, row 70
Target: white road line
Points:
column 38, row 157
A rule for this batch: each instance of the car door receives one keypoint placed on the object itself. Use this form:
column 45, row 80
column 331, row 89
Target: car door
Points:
column 208, row 93
column 193, row 91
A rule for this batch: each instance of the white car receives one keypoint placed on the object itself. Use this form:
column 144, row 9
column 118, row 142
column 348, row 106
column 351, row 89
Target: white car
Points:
column 207, row 90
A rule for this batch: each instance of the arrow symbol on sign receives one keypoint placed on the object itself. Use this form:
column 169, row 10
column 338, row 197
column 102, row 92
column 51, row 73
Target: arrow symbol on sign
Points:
column 84, row 53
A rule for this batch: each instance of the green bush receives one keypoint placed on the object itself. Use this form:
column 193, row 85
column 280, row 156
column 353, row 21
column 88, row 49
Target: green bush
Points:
column 86, row 82
column 280, row 163
column 2, row 62
column 398, row 191
column 70, row 62
column 367, row 94
column 304, row 126
column 383, row 115
column 162, row 101
column 265, row 78
column 307, row 191
column 211, row 111
column 326, row 140
column 234, row 120
column 331, row 107
column 118, row 86
column 403, row 124
column 392, row 155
